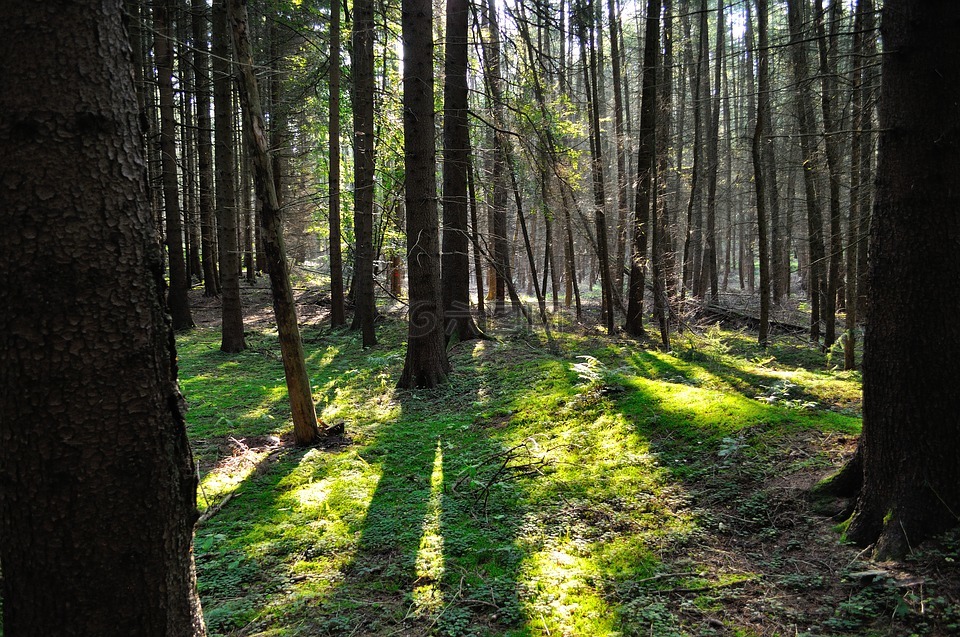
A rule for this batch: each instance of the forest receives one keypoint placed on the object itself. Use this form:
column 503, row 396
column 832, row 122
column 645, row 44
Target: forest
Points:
column 480, row 317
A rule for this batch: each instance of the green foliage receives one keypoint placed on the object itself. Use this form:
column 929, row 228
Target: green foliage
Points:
column 533, row 494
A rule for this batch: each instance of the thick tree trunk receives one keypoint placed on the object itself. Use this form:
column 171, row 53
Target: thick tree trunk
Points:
column 456, row 152
column 97, row 485
column 302, row 408
column 232, row 339
column 337, row 314
column 363, row 180
column 426, row 363
column 909, row 446
column 646, row 156
column 177, row 299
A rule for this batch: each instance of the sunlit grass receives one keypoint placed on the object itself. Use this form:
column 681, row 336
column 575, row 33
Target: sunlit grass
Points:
column 518, row 500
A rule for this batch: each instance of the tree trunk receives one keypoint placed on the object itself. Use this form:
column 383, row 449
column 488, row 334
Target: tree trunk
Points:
column 232, row 339
column 763, row 81
column 177, row 299
column 827, row 48
column 909, row 446
column 426, row 363
column 456, row 152
column 363, row 180
column 201, row 70
column 97, row 484
column 645, row 166
column 291, row 347
column 806, row 124
column 337, row 315
column 587, row 28
column 622, row 206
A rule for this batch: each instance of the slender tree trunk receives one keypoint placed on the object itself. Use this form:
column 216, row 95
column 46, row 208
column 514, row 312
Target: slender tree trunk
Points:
column 475, row 234
column 201, row 69
column 337, row 315
column 291, row 347
column 806, row 121
column 763, row 55
column 828, row 64
column 645, row 167
column 622, row 206
column 97, row 484
column 426, row 363
column 177, row 299
column 708, row 271
column 599, row 197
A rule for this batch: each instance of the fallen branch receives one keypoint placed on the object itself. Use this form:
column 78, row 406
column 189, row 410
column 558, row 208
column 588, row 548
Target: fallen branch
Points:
column 212, row 511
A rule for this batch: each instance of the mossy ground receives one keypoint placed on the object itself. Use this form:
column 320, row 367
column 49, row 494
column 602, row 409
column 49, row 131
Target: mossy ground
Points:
column 604, row 488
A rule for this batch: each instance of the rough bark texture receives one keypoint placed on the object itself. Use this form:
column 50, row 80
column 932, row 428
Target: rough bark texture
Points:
column 302, row 408
column 909, row 446
column 97, row 489
column 179, row 283
column 645, row 166
column 760, row 184
column 337, row 317
column 201, row 69
column 426, row 362
column 232, row 339
column 363, row 135
column 456, row 149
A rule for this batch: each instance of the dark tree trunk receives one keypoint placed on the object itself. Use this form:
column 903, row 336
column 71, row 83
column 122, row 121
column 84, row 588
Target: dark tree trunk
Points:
column 363, row 189
column 622, row 206
column 909, row 446
column 97, row 485
column 177, row 299
column 232, row 339
column 806, row 123
column 645, row 165
column 827, row 48
column 302, row 408
column 201, row 70
column 455, row 266
column 426, row 362
column 708, row 267
column 763, row 81
column 587, row 29
column 337, row 314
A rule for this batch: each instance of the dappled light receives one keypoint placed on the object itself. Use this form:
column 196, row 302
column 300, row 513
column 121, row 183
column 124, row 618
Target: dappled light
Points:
column 535, row 492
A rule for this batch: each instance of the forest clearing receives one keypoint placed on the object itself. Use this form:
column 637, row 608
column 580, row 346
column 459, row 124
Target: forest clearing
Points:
column 605, row 489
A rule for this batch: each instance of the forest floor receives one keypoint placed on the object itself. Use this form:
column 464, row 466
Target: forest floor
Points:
column 599, row 488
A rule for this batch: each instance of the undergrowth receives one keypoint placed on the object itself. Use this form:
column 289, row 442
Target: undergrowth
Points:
column 605, row 490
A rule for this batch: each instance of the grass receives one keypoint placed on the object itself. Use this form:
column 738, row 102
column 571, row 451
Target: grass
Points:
column 606, row 490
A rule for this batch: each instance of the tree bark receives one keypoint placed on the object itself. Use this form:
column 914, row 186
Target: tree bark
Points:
column 201, row 70
column 909, row 445
column 763, row 81
column 455, row 266
column 645, row 166
column 177, row 299
column 232, row 339
column 363, row 180
column 426, row 363
column 337, row 314
column 291, row 347
column 97, row 484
